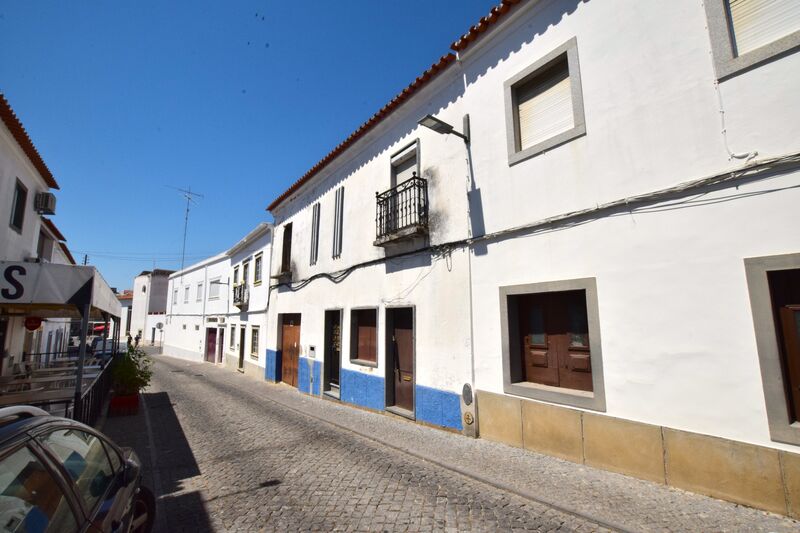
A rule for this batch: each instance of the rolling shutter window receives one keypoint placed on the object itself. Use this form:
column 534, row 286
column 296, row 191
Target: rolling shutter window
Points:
column 337, row 223
column 404, row 170
column 756, row 23
column 544, row 105
column 314, row 234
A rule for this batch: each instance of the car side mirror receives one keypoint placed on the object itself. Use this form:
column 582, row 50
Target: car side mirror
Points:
column 130, row 472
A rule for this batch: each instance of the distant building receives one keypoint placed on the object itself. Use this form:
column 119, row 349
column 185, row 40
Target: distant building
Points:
column 149, row 305
column 217, row 309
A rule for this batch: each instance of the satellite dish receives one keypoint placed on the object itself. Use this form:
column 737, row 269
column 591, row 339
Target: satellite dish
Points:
column 160, row 325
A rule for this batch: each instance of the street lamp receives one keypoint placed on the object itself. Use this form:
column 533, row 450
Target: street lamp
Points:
column 440, row 126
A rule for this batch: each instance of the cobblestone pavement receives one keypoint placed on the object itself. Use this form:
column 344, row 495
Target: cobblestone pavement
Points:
column 230, row 453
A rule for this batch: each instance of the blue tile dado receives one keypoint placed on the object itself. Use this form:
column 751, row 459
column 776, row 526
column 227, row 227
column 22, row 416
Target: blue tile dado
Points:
column 306, row 370
column 438, row 407
column 272, row 370
column 362, row 389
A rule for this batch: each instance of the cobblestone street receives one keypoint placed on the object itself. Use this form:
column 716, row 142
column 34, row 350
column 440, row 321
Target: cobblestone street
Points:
column 227, row 453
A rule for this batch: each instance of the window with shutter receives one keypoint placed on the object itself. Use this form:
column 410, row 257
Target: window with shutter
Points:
column 748, row 33
column 544, row 104
column 338, row 219
column 314, row 234
column 363, row 338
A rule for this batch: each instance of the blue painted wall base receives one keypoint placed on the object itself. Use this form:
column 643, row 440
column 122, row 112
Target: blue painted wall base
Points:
column 272, row 370
column 438, row 407
column 308, row 369
column 362, row 389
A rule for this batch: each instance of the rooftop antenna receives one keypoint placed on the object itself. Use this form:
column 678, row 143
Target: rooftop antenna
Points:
column 190, row 199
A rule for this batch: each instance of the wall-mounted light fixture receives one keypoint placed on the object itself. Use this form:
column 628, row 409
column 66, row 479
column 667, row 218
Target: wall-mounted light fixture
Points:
column 440, row 126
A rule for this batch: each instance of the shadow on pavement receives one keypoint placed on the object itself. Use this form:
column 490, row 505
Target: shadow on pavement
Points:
column 174, row 462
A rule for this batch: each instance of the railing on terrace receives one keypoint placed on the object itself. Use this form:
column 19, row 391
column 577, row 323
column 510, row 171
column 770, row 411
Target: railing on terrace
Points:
column 402, row 211
column 241, row 294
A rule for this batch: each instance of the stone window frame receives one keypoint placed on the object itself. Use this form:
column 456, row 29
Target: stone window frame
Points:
column 769, row 356
column 595, row 400
column 726, row 63
column 570, row 50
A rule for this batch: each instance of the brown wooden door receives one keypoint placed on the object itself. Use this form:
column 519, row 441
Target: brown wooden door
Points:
column 221, row 344
column 790, row 329
column 555, row 339
column 242, row 340
column 290, row 348
column 402, row 346
column 211, row 344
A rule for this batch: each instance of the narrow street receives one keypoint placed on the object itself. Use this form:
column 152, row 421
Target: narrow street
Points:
column 228, row 453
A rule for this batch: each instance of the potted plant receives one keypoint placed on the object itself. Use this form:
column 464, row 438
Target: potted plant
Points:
column 131, row 374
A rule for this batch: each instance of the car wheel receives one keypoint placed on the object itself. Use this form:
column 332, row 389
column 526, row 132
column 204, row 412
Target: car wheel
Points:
column 144, row 511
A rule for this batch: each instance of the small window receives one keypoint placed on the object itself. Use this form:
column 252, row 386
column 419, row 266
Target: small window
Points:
column 174, row 296
column 257, row 269
column 232, row 340
column 186, row 294
column 200, row 291
column 254, row 342
column 551, row 344
column 85, row 459
column 746, row 33
column 314, row 234
column 338, row 220
column 213, row 289
column 286, row 257
column 363, row 336
column 18, row 207
column 544, row 104
column 32, row 499
column 144, row 288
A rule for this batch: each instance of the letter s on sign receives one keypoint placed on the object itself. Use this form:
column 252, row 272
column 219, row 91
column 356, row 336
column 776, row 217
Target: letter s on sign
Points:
column 14, row 283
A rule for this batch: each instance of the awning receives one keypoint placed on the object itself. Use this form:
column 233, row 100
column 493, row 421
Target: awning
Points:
column 54, row 291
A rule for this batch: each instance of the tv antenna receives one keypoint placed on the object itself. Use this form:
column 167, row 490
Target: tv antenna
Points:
column 190, row 199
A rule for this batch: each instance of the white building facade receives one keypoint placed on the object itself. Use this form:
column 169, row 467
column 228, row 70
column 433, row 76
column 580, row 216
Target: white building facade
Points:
column 217, row 307
column 609, row 267
column 149, row 306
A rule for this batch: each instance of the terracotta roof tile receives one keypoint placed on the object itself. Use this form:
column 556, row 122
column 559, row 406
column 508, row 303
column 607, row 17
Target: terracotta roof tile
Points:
column 24, row 141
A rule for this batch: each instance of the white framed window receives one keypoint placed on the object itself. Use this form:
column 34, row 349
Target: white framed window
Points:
column 747, row 33
column 174, row 296
column 246, row 272
column 254, row 331
column 338, row 220
column 186, row 294
column 199, row 291
column 213, row 289
column 258, row 267
column 314, row 234
column 544, row 104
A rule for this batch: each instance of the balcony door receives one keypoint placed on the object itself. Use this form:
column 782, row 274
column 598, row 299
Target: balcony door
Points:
column 404, row 167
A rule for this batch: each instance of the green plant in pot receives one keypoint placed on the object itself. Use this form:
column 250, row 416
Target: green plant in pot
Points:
column 131, row 374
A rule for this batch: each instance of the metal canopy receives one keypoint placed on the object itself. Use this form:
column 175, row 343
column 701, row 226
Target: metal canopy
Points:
column 55, row 291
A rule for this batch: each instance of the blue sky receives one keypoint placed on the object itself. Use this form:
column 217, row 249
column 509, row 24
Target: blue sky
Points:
column 234, row 99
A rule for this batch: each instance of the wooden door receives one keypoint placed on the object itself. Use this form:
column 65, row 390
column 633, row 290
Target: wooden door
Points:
column 555, row 339
column 401, row 344
column 290, row 348
column 211, row 344
column 242, row 340
column 220, row 344
column 333, row 348
column 790, row 329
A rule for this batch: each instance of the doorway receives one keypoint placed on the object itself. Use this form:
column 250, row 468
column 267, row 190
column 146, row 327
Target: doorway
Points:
column 400, row 360
column 290, row 348
column 220, row 344
column 211, row 344
column 333, row 352
column 242, row 339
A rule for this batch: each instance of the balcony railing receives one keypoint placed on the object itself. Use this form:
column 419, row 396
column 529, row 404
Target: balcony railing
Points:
column 241, row 295
column 402, row 211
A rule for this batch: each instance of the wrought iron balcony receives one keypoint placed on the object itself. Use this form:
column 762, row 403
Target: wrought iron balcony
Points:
column 241, row 295
column 402, row 212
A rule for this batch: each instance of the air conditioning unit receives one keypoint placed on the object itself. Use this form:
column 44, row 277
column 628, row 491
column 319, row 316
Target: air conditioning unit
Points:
column 45, row 203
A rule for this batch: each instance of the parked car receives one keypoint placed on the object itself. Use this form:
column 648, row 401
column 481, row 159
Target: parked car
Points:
column 57, row 475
